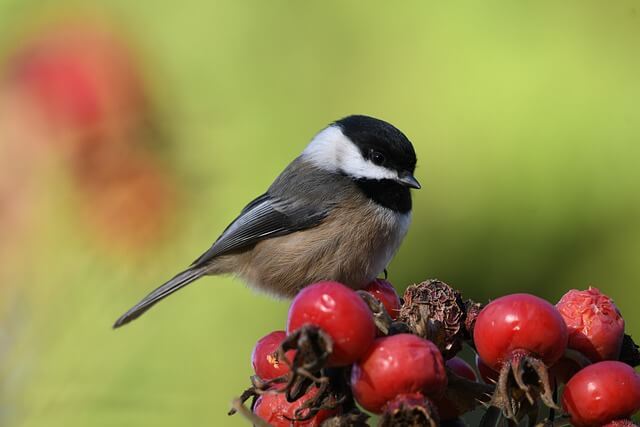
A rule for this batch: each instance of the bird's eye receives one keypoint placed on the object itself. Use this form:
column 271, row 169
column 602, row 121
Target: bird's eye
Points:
column 377, row 158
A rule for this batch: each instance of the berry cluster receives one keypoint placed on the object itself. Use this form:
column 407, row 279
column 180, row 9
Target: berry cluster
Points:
column 346, row 352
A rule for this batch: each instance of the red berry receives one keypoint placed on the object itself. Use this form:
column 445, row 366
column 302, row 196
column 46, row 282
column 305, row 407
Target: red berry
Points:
column 448, row 408
column 595, row 326
column 274, row 409
column 338, row 311
column 398, row 364
column 487, row 374
column 384, row 292
column 264, row 357
column 601, row 393
column 523, row 323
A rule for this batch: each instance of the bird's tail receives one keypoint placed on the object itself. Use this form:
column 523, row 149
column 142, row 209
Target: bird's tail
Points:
column 179, row 281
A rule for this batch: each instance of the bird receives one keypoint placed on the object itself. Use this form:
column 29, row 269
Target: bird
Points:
column 339, row 211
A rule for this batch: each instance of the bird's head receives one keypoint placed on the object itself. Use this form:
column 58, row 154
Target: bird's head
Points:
column 364, row 148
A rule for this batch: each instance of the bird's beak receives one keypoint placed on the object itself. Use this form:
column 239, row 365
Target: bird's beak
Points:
column 408, row 180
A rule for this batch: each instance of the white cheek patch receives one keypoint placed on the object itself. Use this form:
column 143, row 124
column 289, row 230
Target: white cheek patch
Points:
column 331, row 150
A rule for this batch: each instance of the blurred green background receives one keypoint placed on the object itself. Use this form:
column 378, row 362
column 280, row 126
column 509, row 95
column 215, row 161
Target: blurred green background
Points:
column 524, row 116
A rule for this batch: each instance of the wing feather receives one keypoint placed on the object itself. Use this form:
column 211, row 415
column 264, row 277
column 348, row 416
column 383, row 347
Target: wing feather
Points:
column 262, row 218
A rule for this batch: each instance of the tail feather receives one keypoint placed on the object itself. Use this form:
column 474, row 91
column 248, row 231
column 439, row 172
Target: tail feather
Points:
column 179, row 281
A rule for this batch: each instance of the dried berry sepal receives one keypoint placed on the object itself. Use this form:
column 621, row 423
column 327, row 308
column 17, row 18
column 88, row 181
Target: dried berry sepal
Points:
column 313, row 348
column 258, row 387
column 435, row 311
column 472, row 310
column 409, row 410
column 494, row 417
column 381, row 318
column 630, row 352
column 522, row 381
column 323, row 398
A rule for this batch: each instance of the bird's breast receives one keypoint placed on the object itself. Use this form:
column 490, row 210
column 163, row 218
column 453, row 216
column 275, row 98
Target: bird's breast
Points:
column 353, row 245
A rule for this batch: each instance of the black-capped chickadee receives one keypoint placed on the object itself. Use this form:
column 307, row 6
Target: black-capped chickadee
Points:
column 338, row 212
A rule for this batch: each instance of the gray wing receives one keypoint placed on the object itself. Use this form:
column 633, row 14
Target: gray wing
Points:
column 264, row 217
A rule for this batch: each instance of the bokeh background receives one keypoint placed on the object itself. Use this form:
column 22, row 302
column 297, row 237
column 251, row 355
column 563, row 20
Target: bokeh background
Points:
column 131, row 133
